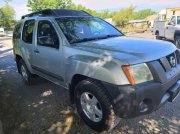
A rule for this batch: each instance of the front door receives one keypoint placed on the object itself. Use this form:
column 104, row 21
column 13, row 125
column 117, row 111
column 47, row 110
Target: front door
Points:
column 170, row 29
column 47, row 60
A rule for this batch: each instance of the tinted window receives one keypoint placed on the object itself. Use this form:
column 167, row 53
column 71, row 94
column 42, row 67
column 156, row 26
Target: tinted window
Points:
column 178, row 20
column 27, row 35
column 173, row 20
column 47, row 35
column 87, row 28
column 17, row 32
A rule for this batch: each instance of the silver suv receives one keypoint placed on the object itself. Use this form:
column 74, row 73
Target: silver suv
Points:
column 109, row 76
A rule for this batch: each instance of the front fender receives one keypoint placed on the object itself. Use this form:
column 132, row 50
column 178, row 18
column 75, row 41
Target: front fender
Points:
column 104, row 69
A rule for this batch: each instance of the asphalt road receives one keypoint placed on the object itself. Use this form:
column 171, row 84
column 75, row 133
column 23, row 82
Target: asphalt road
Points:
column 45, row 107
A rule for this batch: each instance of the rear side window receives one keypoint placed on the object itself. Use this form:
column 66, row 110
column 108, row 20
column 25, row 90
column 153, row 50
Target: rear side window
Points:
column 178, row 20
column 28, row 29
column 17, row 32
column 173, row 20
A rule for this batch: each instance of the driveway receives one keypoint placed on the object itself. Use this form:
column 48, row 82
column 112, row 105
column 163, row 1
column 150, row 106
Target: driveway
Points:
column 45, row 107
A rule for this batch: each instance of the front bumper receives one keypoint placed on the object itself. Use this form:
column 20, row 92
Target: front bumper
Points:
column 128, row 100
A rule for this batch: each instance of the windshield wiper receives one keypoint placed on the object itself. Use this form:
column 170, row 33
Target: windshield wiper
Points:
column 96, row 38
column 108, row 36
column 83, row 40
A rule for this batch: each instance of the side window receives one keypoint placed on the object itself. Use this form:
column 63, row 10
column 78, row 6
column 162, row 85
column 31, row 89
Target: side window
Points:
column 173, row 20
column 17, row 32
column 178, row 20
column 46, row 35
column 27, row 35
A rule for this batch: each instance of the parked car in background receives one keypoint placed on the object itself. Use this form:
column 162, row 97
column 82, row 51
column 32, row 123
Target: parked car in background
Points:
column 168, row 30
column 108, row 75
column 2, row 33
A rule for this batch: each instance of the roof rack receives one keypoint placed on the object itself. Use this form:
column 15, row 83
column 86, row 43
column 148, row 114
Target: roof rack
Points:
column 57, row 13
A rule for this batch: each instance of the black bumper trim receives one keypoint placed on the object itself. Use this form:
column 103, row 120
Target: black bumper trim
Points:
column 126, row 99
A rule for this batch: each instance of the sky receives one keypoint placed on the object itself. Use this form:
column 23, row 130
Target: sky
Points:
column 99, row 5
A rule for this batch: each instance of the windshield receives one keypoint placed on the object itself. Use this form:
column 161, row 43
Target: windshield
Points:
column 86, row 29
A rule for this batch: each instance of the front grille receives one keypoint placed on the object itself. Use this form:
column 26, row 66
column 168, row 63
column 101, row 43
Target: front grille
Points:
column 172, row 60
column 169, row 62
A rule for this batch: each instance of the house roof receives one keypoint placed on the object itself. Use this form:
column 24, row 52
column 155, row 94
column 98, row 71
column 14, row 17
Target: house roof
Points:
column 175, row 9
column 152, row 17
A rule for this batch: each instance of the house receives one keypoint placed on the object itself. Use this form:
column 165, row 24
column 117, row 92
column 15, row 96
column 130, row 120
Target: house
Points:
column 172, row 11
column 137, row 23
column 161, row 15
column 166, row 14
column 150, row 20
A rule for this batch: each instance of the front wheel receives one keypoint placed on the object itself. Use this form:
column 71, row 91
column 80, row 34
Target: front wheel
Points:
column 177, row 41
column 94, row 106
column 25, row 73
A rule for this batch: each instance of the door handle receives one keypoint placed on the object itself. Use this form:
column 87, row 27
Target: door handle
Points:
column 36, row 51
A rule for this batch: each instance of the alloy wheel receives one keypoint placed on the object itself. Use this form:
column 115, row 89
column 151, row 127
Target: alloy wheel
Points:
column 91, row 107
column 24, row 73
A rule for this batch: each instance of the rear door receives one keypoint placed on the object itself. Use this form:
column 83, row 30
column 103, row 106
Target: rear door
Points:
column 27, row 43
column 17, row 33
column 170, row 28
column 48, row 52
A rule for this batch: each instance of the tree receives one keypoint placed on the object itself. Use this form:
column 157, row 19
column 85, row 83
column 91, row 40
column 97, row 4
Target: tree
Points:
column 142, row 14
column 104, row 14
column 80, row 7
column 7, row 14
column 124, row 15
column 121, row 17
column 36, row 5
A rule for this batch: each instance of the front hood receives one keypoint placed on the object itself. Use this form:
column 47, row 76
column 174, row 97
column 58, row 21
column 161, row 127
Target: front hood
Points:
column 129, row 49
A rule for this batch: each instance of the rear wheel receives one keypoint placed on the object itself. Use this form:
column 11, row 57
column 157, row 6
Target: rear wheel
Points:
column 94, row 106
column 177, row 41
column 157, row 36
column 25, row 73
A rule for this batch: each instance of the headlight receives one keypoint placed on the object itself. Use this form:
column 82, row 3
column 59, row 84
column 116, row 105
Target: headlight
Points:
column 138, row 73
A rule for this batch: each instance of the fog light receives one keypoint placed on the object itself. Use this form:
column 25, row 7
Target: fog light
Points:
column 143, row 107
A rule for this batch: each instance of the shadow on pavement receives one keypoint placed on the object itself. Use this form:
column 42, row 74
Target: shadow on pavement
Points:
column 4, row 51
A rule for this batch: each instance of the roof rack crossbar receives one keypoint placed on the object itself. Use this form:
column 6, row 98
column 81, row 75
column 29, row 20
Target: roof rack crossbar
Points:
column 46, row 12
column 57, row 13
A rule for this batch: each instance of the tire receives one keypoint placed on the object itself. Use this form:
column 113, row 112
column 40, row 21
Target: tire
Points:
column 177, row 41
column 25, row 73
column 157, row 36
column 107, row 119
